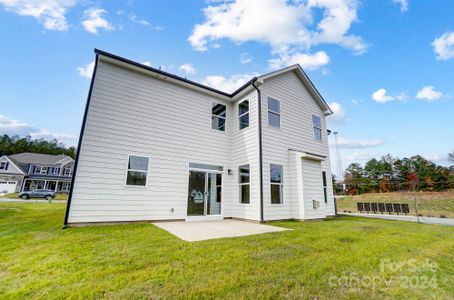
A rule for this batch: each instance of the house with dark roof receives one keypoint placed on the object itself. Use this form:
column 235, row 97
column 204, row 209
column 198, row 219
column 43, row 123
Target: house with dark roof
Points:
column 31, row 171
column 156, row 146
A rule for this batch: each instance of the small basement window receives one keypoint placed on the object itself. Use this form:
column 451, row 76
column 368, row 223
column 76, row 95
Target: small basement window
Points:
column 218, row 115
column 317, row 125
column 243, row 114
column 244, row 183
column 137, row 170
column 274, row 112
column 277, row 184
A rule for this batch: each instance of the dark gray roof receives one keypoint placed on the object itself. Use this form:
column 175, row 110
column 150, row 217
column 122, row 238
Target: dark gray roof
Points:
column 37, row 158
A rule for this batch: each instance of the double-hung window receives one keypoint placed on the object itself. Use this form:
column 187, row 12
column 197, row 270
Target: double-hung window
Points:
column 274, row 112
column 277, row 184
column 243, row 114
column 218, row 115
column 244, row 183
column 37, row 170
column 4, row 165
column 67, row 172
column 317, row 125
column 137, row 170
column 56, row 171
column 325, row 186
column 43, row 170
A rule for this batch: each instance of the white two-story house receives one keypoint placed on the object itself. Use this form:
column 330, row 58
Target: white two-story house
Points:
column 156, row 146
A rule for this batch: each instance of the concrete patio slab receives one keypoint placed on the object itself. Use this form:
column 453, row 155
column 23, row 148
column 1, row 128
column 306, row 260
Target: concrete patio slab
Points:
column 206, row 230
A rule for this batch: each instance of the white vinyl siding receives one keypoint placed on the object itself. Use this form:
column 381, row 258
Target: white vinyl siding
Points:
column 296, row 133
column 132, row 112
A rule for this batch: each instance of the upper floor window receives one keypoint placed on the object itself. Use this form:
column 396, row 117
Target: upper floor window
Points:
column 67, row 171
column 243, row 114
column 137, row 170
column 244, row 182
column 43, row 170
column 4, row 165
column 37, row 170
column 325, row 186
column 218, row 115
column 317, row 125
column 277, row 184
column 56, row 171
column 274, row 112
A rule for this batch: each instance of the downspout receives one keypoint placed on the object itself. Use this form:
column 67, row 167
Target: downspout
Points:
column 82, row 129
column 259, row 119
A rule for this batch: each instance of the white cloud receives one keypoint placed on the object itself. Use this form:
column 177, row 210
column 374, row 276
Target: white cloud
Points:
column 306, row 61
column 403, row 4
column 444, row 46
column 292, row 33
column 136, row 20
column 381, row 96
column 87, row 70
column 339, row 115
column 49, row 12
column 351, row 144
column 93, row 20
column 227, row 84
column 188, row 69
column 245, row 58
column 428, row 93
column 13, row 127
column 147, row 63
column 361, row 157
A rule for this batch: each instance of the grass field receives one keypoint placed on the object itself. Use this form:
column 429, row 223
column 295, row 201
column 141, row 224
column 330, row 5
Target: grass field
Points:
column 38, row 259
column 58, row 196
column 429, row 204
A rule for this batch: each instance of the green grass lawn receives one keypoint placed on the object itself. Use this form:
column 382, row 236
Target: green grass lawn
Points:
column 58, row 196
column 429, row 204
column 140, row 261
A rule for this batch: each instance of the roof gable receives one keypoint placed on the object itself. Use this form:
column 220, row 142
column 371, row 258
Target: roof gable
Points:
column 302, row 76
column 13, row 166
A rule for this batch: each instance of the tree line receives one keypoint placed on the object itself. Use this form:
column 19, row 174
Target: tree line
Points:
column 14, row 144
column 390, row 174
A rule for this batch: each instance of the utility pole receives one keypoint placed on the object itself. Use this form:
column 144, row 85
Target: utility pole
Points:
column 340, row 169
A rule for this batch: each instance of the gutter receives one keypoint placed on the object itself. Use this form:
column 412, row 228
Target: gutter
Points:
column 259, row 117
column 82, row 129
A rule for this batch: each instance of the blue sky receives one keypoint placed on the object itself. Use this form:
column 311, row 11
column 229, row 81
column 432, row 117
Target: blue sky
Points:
column 386, row 67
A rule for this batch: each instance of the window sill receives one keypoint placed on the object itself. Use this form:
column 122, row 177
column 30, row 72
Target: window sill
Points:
column 141, row 187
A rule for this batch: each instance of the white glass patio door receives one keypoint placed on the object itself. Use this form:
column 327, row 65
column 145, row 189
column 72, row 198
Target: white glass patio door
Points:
column 204, row 193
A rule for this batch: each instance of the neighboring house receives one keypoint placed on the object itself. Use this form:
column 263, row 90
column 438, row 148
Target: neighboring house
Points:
column 156, row 146
column 31, row 171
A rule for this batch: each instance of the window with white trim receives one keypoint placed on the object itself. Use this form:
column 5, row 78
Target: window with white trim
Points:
column 65, row 186
column 325, row 187
column 137, row 170
column 243, row 114
column 56, row 171
column 67, row 172
column 218, row 115
column 244, row 180
column 43, row 170
column 4, row 165
column 274, row 112
column 37, row 170
column 276, row 184
column 317, row 126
